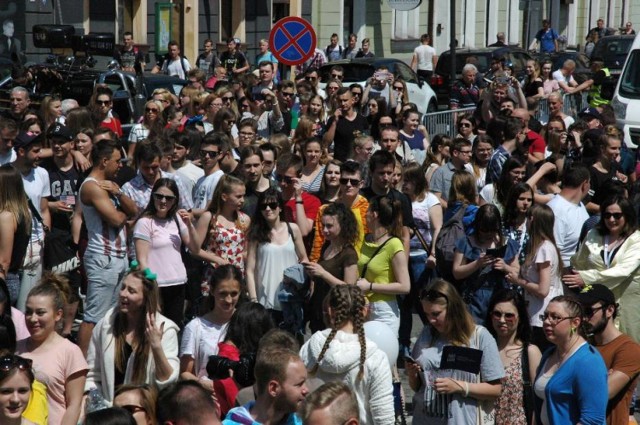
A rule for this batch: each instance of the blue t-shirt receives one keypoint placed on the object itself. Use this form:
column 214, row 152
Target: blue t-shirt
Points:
column 546, row 39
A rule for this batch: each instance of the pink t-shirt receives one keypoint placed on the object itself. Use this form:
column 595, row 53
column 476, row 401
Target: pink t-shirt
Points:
column 17, row 317
column 53, row 367
column 164, row 256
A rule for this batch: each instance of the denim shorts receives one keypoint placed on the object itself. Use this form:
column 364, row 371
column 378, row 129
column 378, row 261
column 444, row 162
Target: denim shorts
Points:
column 104, row 274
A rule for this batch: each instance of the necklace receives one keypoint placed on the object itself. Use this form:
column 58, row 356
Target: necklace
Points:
column 376, row 239
column 562, row 358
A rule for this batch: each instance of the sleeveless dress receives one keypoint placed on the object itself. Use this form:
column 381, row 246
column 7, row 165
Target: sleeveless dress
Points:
column 509, row 406
column 271, row 261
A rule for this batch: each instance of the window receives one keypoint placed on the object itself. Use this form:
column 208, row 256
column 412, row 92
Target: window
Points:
column 406, row 24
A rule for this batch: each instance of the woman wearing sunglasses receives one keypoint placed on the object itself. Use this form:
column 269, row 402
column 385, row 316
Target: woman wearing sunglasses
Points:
column 274, row 245
column 152, row 123
column 571, row 383
column 101, row 112
column 139, row 400
column 451, row 396
column 610, row 255
column 16, row 378
column 158, row 235
column 509, row 324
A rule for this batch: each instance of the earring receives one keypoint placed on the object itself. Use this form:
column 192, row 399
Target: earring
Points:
column 572, row 331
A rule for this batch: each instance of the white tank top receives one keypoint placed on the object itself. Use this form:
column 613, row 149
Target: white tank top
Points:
column 103, row 238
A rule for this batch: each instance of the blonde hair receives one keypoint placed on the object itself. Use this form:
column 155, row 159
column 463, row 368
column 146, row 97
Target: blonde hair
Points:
column 13, row 197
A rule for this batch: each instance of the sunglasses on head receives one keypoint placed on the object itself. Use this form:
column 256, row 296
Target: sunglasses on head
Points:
column 271, row 205
column 509, row 317
column 161, row 197
column 432, row 295
column 11, row 361
column 615, row 216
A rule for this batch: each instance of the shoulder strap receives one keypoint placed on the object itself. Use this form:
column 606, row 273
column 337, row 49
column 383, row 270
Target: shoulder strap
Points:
column 418, row 235
column 364, row 268
column 36, row 215
column 528, row 399
column 290, row 230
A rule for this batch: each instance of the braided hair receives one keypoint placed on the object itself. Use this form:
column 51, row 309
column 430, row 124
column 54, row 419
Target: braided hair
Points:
column 346, row 304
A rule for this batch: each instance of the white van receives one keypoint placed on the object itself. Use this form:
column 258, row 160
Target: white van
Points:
column 626, row 100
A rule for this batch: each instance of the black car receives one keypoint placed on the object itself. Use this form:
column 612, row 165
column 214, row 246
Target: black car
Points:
column 440, row 79
column 360, row 70
column 613, row 49
column 583, row 67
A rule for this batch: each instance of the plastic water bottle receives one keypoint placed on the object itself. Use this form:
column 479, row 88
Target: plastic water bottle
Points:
column 95, row 401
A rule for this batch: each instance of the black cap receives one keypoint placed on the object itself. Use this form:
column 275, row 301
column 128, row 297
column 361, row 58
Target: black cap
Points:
column 590, row 112
column 59, row 131
column 26, row 138
column 591, row 294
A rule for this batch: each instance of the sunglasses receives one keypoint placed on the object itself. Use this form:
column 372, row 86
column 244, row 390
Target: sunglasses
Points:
column 284, row 179
column 210, row 154
column 227, row 98
column 133, row 409
column 285, row 94
column 356, row 93
column 615, row 216
column 311, row 78
column 103, row 102
column 336, row 76
column 11, row 361
column 161, row 197
column 508, row 317
column 271, row 205
column 352, row 182
column 590, row 311
column 154, row 110
column 464, row 124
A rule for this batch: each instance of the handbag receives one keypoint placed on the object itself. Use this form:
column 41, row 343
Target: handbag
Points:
column 60, row 254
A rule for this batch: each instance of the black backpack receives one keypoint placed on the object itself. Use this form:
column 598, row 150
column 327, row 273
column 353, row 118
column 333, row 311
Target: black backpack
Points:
column 451, row 232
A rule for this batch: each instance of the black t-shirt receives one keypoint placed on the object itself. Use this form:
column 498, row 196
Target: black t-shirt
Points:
column 128, row 58
column 346, row 132
column 207, row 63
column 407, row 211
column 232, row 61
column 64, row 187
column 598, row 179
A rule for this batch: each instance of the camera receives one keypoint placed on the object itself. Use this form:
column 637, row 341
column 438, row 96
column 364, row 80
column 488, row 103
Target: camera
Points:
column 218, row 368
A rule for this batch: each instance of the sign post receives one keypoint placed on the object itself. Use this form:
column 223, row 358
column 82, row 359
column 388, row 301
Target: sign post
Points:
column 292, row 40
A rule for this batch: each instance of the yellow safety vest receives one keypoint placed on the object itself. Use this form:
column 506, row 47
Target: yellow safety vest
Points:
column 595, row 99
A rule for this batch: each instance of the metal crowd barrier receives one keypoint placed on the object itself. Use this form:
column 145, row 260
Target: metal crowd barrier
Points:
column 443, row 122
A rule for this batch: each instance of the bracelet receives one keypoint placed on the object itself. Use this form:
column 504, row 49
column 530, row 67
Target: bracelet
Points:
column 466, row 389
column 371, row 287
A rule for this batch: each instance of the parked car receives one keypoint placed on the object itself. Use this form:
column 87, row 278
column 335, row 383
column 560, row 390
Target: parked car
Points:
column 360, row 70
column 626, row 99
column 613, row 49
column 440, row 81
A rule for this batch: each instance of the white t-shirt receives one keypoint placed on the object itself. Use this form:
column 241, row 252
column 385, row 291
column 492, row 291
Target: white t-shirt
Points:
column 174, row 68
column 37, row 187
column 8, row 158
column 203, row 192
column 200, row 340
column 425, row 54
column 190, row 174
column 138, row 133
column 568, row 225
column 536, row 306
column 423, row 222
column 558, row 76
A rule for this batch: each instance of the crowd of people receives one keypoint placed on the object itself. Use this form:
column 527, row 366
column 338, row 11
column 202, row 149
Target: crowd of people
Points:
column 233, row 220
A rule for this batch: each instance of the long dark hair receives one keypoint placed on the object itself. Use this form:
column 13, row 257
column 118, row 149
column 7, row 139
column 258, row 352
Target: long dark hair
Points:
column 248, row 324
column 523, row 331
column 223, row 273
column 510, row 211
column 488, row 219
column 628, row 212
column 504, row 184
column 259, row 230
column 347, row 220
column 150, row 210
column 389, row 212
